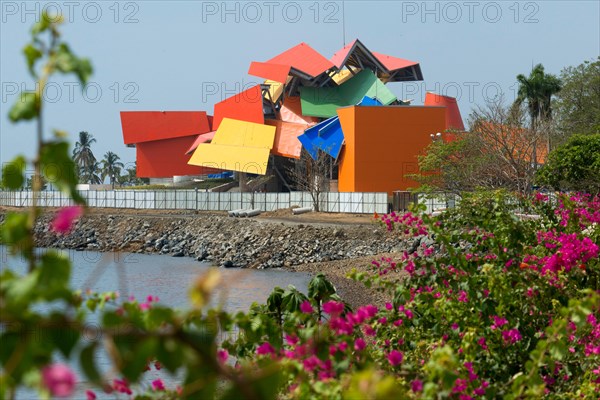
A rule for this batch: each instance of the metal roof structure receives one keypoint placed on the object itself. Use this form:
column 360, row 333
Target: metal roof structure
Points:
column 356, row 57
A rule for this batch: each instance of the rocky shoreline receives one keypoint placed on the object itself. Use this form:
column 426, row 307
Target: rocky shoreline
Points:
column 221, row 240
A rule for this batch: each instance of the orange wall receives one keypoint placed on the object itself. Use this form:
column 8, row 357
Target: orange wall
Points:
column 166, row 158
column 382, row 144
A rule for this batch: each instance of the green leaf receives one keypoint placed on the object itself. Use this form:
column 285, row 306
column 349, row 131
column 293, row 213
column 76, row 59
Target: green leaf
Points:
column 292, row 298
column 32, row 54
column 21, row 291
column 65, row 339
column 25, row 108
column 157, row 316
column 55, row 270
column 319, row 288
column 42, row 25
column 12, row 173
column 59, row 168
column 66, row 62
column 88, row 364
column 135, row 365
column 170, row 354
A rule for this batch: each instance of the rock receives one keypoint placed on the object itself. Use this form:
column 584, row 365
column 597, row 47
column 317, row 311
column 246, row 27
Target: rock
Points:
column 177, row 254
column 228, row 264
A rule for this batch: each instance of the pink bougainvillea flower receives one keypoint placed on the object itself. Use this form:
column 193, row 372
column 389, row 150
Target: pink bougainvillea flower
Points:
column 265, row 348
column 511, row 336
column 333, row 307
column 395, row 357
column 291, row 340
column 359, row 344
column 310, row 363
column 158, row 385
column 306, row 307
column 121, row 386
column 416, row 386
column 498, row 322
column 59, row 379
column 222, row 356
column 63, row 221
column 89, row 395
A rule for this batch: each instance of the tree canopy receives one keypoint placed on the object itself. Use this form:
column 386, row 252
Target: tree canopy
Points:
column 577, row 107
column 574, row 166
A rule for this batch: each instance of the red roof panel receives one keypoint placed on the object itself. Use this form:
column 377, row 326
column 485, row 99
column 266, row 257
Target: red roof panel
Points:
column 274, row 72
column 304, row 58
column 146, row 126
column 393, row 63
column 453, row 117
column 244, row 106
column 165, row 159
column 341, row 55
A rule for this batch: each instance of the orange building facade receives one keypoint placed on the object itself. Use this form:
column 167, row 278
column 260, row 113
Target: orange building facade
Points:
column 382, row 145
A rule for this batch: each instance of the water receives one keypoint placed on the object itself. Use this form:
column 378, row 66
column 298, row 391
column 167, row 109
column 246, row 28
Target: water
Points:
column 168, row 278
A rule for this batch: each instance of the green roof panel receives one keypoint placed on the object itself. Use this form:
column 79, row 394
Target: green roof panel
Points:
column 323, row 102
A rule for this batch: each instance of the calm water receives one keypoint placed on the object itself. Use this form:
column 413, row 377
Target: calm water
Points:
column 168, row 278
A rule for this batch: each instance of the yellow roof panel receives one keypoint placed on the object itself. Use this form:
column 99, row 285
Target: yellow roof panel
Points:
column 252, row 160
column 233, row 132
column 342, row 76
column 275, row 89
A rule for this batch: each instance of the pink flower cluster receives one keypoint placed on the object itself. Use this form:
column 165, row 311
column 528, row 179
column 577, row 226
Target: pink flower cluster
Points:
column 408, row 223
column 64, row 219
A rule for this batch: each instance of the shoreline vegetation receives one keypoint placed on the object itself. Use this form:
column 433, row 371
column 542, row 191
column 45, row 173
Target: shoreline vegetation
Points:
column 332, row 244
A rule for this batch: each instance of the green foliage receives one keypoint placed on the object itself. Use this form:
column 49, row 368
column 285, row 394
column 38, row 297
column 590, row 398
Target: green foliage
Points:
column 573, row 166
column 496, row 153
column 13, row 173
column 537, row 90
column 59, row 169
column 25, row 108
column 577, row 107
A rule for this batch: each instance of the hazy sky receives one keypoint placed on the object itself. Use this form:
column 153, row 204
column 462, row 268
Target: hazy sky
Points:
column 188, row 55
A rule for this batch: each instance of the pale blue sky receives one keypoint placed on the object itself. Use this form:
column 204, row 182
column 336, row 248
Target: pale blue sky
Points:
column 187, row 55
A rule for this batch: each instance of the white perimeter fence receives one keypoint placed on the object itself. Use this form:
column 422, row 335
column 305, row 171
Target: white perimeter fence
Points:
column 356, row 203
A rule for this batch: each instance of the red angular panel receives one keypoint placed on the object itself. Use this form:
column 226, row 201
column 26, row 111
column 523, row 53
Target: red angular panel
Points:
column 393, row 63
column 146, row 126
column 453, row 117
column 165, row 159
column 244, row 106
column 340, row 56
column 274, row 72
column 303, row 58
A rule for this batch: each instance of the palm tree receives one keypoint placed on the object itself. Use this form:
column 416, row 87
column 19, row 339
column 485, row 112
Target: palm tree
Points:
column 111, row 166
column 84, row 157
column 90, row 174
column 538, row 90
